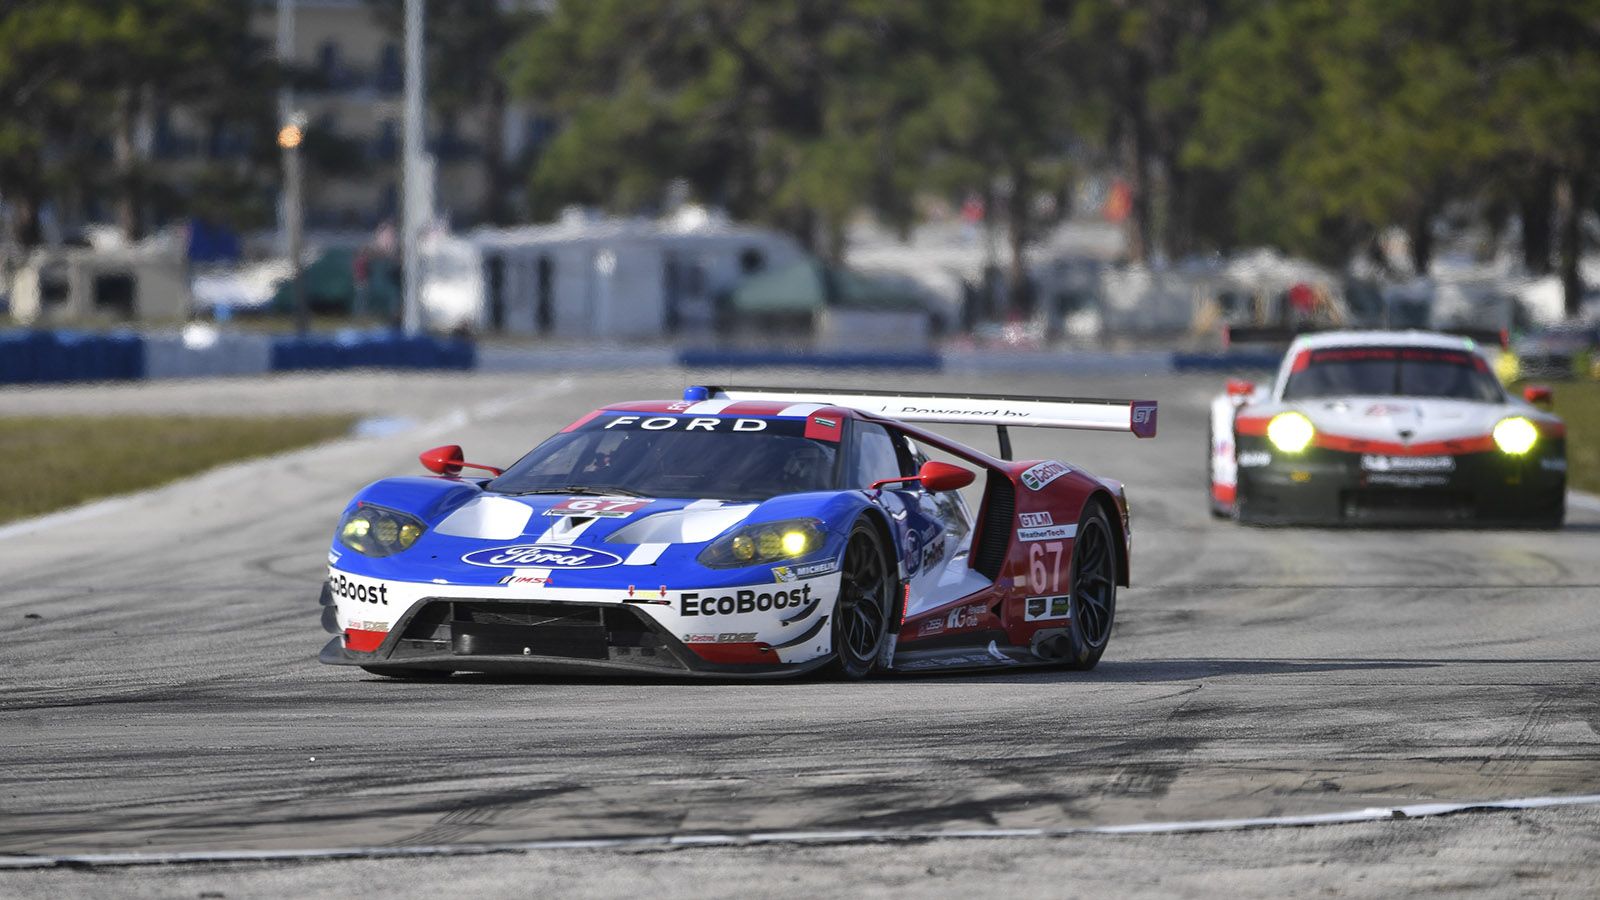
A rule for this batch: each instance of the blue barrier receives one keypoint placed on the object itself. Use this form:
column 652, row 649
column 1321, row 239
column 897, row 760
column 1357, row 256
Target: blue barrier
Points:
column 370, row 351
column 33, row 357
column 1224, row 362
column 18, row 357
column 820, row 360
column 41, row 357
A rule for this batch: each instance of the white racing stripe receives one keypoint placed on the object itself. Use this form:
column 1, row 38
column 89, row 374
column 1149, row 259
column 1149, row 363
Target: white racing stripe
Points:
column 563, row 531
column 645, row 554
column 765, row 838
column 799, row 410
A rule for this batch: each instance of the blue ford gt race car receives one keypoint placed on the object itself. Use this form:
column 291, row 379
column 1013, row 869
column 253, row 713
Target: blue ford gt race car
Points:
column 743, row 532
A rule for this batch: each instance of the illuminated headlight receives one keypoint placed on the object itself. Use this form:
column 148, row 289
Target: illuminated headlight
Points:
column 376, row 531
column 768, row 542
column 1290, row 432
column 1515, row 435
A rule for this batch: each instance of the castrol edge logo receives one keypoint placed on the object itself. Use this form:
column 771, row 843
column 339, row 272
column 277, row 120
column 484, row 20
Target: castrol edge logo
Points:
column 542, row 556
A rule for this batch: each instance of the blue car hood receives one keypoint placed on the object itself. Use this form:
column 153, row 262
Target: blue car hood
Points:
column 477, row 538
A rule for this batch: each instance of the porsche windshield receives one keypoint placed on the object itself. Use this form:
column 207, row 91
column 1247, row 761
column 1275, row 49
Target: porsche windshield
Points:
column 712, row 457
column 1391, row 372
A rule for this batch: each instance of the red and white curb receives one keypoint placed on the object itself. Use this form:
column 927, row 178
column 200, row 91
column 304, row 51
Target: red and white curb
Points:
column 766, row 838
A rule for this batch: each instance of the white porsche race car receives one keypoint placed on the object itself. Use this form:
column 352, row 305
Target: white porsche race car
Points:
column 1386, row 427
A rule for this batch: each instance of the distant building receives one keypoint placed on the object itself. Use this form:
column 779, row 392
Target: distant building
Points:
column 355, row 94
column 587, row 276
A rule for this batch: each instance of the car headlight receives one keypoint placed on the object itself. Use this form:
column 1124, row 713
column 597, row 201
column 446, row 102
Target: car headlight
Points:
column 1515, row 435
column 376, row 531
column 1290, row 432
column 767, row 542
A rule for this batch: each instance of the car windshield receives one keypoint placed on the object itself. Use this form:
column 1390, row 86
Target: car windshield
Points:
column 711, row 457
column 1391, row 372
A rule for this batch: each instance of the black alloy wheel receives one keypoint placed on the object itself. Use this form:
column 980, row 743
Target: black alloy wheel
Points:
column 1094, row 590
column 406, row 674
column 861, row 617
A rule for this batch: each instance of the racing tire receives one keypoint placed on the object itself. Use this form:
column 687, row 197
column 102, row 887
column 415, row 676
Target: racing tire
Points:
column 1552, row 520
column 861, row 615
column 1094, row 591
column 402, row 673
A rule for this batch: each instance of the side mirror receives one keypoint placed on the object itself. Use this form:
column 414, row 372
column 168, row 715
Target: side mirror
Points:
column 934, row 476
column 940, row 476
column 1238, row 388
column 447, row 460
column 1538, row 395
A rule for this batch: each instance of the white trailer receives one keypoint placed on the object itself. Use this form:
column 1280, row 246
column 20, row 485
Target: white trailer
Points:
column 584, row 277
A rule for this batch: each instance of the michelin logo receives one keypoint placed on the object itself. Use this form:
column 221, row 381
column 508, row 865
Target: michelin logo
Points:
column 787, row 574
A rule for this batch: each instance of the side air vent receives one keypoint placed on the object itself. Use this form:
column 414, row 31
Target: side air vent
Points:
column 999, row 508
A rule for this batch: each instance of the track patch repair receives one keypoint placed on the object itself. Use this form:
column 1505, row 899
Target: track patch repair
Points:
column 766, row 838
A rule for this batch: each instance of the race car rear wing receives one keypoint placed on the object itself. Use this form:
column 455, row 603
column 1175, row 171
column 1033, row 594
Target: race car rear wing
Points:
column 1135, row 416
column 1275, row 334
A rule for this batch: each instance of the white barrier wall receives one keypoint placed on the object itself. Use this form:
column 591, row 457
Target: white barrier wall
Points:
column 170, row 356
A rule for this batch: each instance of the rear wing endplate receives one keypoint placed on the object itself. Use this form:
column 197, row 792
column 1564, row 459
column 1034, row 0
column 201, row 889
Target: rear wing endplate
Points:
column 1135, row 416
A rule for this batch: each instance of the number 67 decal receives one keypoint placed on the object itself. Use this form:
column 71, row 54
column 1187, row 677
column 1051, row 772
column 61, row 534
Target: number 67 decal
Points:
column 1045, row 578
column 597, row 507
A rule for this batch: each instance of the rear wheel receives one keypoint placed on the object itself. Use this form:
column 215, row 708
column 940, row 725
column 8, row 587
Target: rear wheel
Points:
column 1094, row 590
column 861, row 617
column 405, row 674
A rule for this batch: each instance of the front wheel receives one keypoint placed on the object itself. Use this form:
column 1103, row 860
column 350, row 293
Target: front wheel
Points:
column 861, row 616
column 1094, row 590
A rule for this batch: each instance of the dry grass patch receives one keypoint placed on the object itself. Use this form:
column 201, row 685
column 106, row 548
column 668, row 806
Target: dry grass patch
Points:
column 58, row 462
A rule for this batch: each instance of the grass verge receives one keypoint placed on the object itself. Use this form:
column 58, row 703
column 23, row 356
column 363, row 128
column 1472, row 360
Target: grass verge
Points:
column 66, row 460
column 1578, row 402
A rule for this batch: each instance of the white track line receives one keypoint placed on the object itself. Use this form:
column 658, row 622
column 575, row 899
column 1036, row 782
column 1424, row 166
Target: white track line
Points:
column 233, row 471
column 1583, row 501
column 767, row 838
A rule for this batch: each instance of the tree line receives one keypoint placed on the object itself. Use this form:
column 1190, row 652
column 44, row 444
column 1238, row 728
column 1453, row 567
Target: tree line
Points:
column 1311, row 125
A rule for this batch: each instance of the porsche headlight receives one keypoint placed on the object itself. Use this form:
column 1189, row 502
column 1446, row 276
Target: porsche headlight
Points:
column 376, row 531
column 767, row 542
column 1290, row 432
column 1515, row 435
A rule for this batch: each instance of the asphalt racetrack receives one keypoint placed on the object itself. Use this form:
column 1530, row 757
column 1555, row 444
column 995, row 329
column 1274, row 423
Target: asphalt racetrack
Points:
column 159, row 693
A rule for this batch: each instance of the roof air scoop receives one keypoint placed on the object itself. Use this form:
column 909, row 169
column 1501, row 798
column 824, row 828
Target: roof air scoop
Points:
column 1406, row 433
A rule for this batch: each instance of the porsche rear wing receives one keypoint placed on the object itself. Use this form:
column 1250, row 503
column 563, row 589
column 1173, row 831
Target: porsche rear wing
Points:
column 1135, row 416
column 1274, row 334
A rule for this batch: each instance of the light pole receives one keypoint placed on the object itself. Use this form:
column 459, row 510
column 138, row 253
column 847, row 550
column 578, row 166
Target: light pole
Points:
column 290, row 136
column 411, row 192
column 291, row 131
